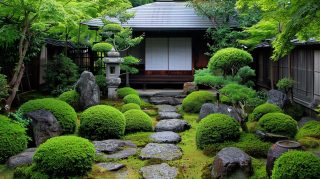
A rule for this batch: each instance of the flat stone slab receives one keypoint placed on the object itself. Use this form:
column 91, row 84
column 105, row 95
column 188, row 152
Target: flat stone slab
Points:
column 164, row 152
column 165, row 137
column 23, row 158
column 123, row 154
column 166, row 108
column 175, row 125
column 165, row 100
column 169, row 115
column 111, row 146
column 161, row 171
column 111, row 166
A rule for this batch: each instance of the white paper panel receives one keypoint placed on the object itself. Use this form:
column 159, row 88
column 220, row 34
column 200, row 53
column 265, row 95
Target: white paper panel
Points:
column 180, row 54
column 157, row 54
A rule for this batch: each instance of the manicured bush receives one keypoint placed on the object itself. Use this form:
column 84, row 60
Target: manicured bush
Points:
column 310, row 129
column 296, row 164
column 13, row 138
column 132, row 98
column 137, row 121
column 278, row 123
column 216, row 128
column 238, row 93
column 71, row 97
column 193, row 102
column 102, row 47
column 64, row 113
column 102, row 122
column 263, row 109
column 230, row 60
column 129, row 106
column 285, row 84
column 122, row 92
column 65, row 156
column 113, row 27
column 309, row 142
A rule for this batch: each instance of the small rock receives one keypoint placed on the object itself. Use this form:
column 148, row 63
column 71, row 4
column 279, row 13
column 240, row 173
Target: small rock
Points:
column 166, row 108
column 122, row 154
column 209, row 108
column 270, row 136
column 189, row 87
column 112, row 145
column 161, row 171
column 164, row 152
column 23, row 158
column 175, row 125
column 277, row 97
column 111, row 166
column 229, row 161
column 88, row 89
column 165, row 137
column 169, row 115
column 165, row 100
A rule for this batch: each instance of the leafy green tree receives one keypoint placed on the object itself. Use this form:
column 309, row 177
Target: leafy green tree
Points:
column 129, row 66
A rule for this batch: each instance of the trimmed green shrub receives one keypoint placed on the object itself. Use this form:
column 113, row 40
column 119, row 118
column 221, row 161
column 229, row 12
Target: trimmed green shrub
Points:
column 309, row 142
column 102, row 122
column 71, row 97
column 238, row 93
column 263, row 109
column 113, row 27
column 129, row 106
column 296, row 164
column 193, row 102
column 13, row 138
column 216, row 128
column 122, row 92
column 310, row 129
column 132, row 98
column 65, row 156
column 278, row 123
column 29, row 172
column 137, row 121
column 102, row 47
column 230, row 60
column 64, row 113
column 285, row 84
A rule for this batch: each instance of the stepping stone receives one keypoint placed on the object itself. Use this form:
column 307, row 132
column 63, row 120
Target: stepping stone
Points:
column 165, row 137
column 175, row 125
column 112, row 145
column 23, row 158
column 164, row 152
column 166, row 108
column 169, row 115
column 111, row 166
column 122, row 154
column 161, row 171
column 165, row 100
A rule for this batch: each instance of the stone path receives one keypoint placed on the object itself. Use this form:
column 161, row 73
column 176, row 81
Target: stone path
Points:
column 165, row 137
column 165, row 152
column 175, row 125
column 159, row 171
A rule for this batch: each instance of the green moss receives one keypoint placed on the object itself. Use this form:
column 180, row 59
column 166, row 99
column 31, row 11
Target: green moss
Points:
column 294, row 110
column 129, row 106
column 259, row 169
column 137, row 121
column 71, row 97
column 310, row 129
column 122, row 92
column 132, row 98
column 263, row 109
column 151, row 112
column 309, row 142
column 193, row 102
column 141, row 139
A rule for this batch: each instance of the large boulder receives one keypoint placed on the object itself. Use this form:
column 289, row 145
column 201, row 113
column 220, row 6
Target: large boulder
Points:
column 23, row 158
column 231, row 162
column 160, row 171
column 277, row 97
column 209, row 108
column 44, row 126
column 88, row 89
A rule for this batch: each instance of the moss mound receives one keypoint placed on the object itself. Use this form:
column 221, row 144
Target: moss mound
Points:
column 216, row 128
column 296, row 164
column 65, row 156
column 137, row 121
column 64, row 113
column 263, row 109
column 13, row 138
column 193, row 102
column 310, row 129
column 132, row 98
column 278, row 123
column 71, row 97
column 102, row 122
column 122, row 92
column 129, row 106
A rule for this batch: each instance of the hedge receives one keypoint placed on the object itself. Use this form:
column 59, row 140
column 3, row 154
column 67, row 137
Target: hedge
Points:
column 129, row 106
column 132, row 98
column 122, row 92
column 194, row 101
column 263, row 109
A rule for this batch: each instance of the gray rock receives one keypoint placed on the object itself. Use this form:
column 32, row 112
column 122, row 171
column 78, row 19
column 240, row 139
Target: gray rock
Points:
column 122, row 154
column 111, row 166
column 166, row 108
column 175, row 125
column 189, row 87
column 164, row 152
column 165, row 100
column 112, row 145
column 304, row 120
column 44, row 126
column 161, row 171
column 165, row 137
column 231, row 161
column 209, row 108
column 265, row 136
column 277, row 97
column 88, row 89
column 23, row 158
column 168, row 115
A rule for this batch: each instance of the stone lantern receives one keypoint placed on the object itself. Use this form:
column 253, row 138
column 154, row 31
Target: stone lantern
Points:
column 113, row 79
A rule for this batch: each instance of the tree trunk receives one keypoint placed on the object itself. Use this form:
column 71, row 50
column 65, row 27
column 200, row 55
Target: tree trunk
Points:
column 127, row 78
column 15, row 88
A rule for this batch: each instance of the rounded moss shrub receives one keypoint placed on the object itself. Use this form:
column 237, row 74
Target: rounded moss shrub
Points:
column 296, row 164
column 64, row 113
column 13, row 138
column 310, row 129
column 263, row 109
column 229, row 59
column 65, row 156
column 278, row 123
column 71, row 97
column 102, row 122
column 129, row 106
column 102, row 47
column 113, row 27
column 122, row 92
column 132, row 98
column 137, row 121
column 193, row 102
column 216, row 128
